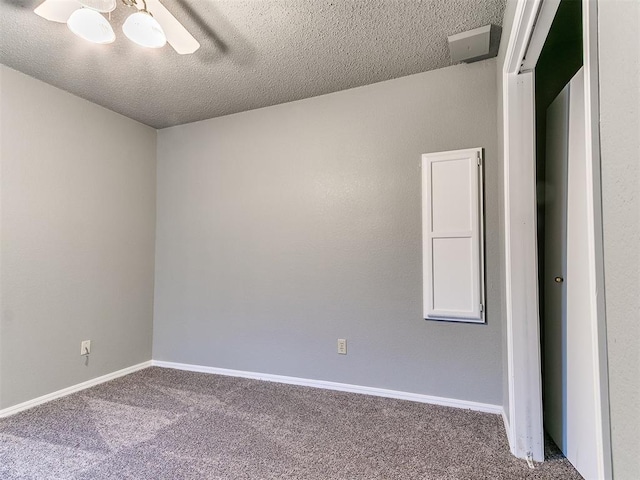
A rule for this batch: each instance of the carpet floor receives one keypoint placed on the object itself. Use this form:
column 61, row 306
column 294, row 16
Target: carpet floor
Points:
column 168, row 424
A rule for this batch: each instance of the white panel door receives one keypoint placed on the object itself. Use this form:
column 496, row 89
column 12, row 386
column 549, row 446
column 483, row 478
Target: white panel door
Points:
column 452, row 235
column 582, row 438
column 555, row 268
column 570, row 365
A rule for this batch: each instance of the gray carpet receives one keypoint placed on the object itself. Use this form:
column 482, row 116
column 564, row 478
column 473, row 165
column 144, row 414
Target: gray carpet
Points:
column 167, row 424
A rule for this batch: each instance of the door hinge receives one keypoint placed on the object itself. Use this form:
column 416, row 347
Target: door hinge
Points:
column 481, row 308
column 479, row 158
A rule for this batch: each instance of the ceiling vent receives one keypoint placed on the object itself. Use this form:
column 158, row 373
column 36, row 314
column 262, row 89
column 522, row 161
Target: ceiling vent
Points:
column 474, row 45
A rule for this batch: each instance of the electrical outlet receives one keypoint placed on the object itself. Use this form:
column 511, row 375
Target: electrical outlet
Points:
column 342, row 346
column 85, row 347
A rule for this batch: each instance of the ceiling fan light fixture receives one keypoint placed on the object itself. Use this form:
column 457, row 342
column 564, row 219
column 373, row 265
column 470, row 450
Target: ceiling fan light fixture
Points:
column 89, row 25
column 143, row 29
column 103, row 6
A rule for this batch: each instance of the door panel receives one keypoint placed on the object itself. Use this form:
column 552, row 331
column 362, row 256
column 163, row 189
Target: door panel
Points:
column 555, row 265
column 582, row 444
column 569, row 363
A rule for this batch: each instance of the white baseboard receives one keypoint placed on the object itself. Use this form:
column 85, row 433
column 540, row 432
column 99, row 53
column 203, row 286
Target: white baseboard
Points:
column 69, row 390
column 507, row 428
column 342, row 387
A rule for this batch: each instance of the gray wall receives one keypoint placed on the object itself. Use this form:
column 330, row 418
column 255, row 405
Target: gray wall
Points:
column 282, row 229
column 77, row 239
column 619, row 58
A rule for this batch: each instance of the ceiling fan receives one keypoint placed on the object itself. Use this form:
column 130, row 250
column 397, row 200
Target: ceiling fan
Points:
column 152, row 25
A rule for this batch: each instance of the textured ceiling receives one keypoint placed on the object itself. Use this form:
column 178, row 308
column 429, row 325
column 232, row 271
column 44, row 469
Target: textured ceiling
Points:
column 254, row 53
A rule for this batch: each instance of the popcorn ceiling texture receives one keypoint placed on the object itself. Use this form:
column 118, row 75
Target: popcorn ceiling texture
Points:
column 254, row 53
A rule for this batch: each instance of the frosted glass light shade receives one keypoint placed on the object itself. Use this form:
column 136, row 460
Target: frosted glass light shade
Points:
column 91, row 26
column 143, row 29
column 104, row 6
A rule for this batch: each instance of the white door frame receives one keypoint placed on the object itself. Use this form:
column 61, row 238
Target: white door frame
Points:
column 525, row 430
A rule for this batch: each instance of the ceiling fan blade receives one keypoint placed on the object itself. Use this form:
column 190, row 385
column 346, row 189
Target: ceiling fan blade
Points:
column 177, row 36
column 57, row 10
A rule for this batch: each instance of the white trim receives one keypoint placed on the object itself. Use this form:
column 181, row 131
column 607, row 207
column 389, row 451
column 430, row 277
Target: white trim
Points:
column 594, row 239
column 524, row 22
column 73, row 389
column 544, row 19
column 526, row 434
column 341, row 387
column 522, row 306
column 507, row 427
